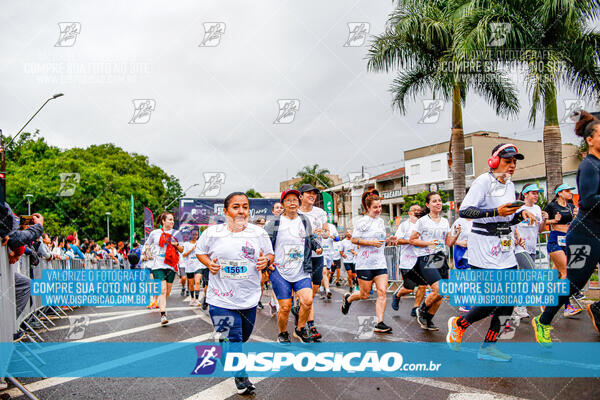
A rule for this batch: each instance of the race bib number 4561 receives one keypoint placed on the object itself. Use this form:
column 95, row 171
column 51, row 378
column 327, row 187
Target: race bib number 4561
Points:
column 233, row 269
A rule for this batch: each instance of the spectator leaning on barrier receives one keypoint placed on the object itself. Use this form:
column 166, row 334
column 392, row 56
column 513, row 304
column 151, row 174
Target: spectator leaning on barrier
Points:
column 16, row 240
column 71, row 245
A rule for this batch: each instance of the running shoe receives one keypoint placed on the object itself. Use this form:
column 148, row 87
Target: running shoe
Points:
column 521, row 312
column 296, row 313
column 381, row 327
column 508, row 332
column 464, row 309
column 542, row 332
column 283, row 337
column 396, row 300
column 579, row 295
column 338, row 284
column 314, row 334
column 182, row 292
column 413, row 312
column 260, row 306
column 594, row 312
column 492, row 353
column 422, row 318
column 303, row 335
column 455, row 334
column 357, row 288
column 193, row 302
column 273, row 309
column 243, row 386
column 250, row 384
column 571, row 311
column 431, row 326
column 345, row 304
column 328, row 294
column 164, row 320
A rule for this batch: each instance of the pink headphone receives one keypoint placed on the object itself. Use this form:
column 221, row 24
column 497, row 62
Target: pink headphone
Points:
column 494, row 160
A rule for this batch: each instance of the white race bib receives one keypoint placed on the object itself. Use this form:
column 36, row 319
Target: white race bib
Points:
column 233, row 269
column 506, row 243
column 293, row 255
column 561, row 240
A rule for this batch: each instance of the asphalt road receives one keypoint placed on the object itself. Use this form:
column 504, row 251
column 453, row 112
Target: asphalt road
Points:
column 138, row 324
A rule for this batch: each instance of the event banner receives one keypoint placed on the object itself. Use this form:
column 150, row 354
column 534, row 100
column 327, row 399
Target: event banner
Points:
column 210, row 211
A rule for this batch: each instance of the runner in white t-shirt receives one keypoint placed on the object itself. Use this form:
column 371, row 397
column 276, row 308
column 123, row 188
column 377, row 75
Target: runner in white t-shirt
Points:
column 318, row 221
column 408, row 259
column 430, row 238
column 328, row 250
column 290, row 235
column 164, row 249
column 194, row 269
column 526, row 236
column 235, row 253
column 348, row 252
column 370, row 236
column 277, row 210
column 337, row 261
column 490, row 202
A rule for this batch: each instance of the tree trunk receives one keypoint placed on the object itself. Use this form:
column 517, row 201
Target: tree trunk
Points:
column 458, row 147
column 552, row 142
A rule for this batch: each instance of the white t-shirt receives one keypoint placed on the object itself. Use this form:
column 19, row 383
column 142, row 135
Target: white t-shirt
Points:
column 347, row 245
column 191, row 262
column 317, row 217
column 327, row 244
column 337, row 247
column 370, row 257
column 430, row 230
column 487, row 192
column 408, row 258
column 158, row 252
column 237, row 285
column 289, row 249
column 529, row 232
column 466, row 226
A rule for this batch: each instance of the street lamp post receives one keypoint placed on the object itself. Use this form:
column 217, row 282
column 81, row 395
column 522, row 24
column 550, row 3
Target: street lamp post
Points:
column 108, row 225
column 29, row 196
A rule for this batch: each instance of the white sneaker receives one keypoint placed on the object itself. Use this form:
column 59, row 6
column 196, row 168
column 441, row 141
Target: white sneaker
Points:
column 164, row 320
column 187, row 299
column 521, row 312
column 193, row 302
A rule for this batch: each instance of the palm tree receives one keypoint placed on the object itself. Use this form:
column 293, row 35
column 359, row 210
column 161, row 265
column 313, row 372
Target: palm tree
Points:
column 551, row 41
column 419, row 41
column 253, row 194
column 315, row 176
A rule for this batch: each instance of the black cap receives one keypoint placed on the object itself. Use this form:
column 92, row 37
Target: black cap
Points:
column 508, row 152
column 307, row 187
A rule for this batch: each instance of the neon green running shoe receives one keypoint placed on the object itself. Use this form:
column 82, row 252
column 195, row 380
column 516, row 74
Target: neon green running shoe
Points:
column 542, row 332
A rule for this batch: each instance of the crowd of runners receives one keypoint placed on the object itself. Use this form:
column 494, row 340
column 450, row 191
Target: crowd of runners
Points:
column 299, row 255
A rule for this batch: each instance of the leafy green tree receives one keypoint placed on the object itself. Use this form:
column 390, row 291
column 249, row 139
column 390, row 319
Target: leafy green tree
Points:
column 108, row 176
column 253, row 194
column 419, row 42
column 315, row 176
column 420, row 197
column 552, row 42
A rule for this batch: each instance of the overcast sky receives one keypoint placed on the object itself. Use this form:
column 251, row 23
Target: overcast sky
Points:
column 215, row 105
